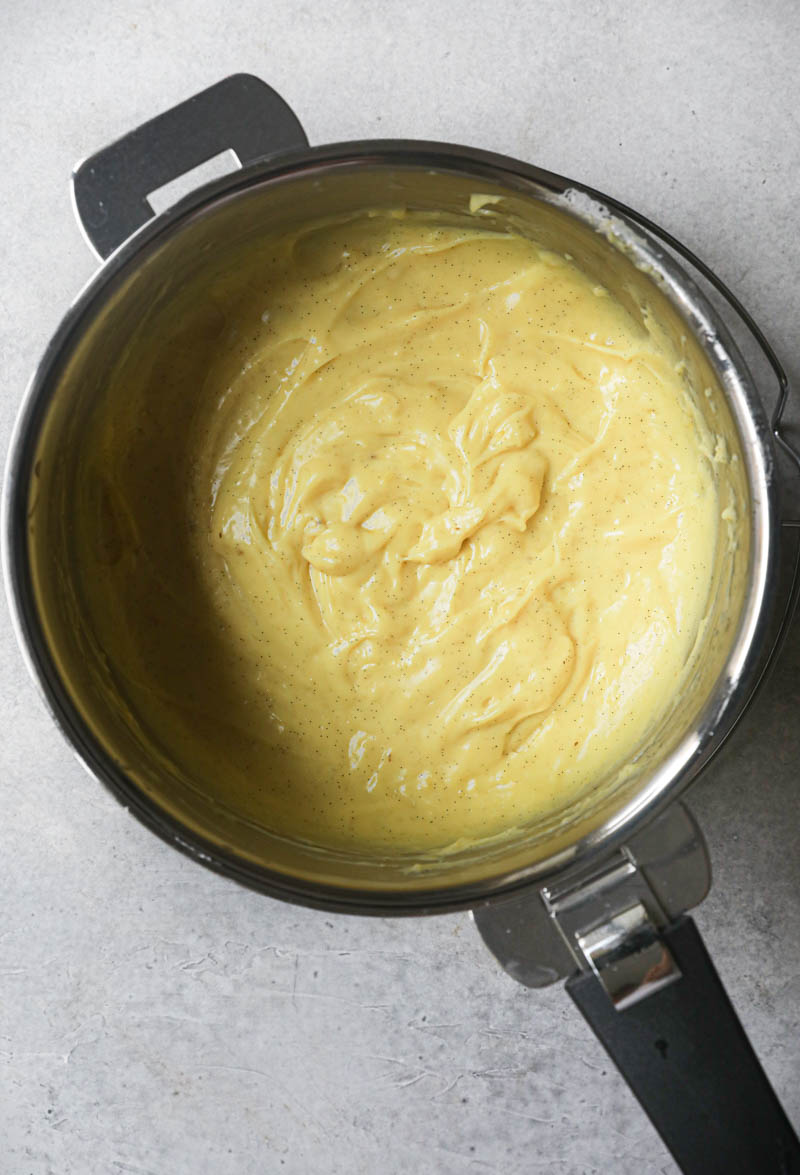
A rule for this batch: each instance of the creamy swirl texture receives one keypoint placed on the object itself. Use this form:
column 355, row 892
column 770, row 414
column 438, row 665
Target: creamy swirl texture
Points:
column 454, row 511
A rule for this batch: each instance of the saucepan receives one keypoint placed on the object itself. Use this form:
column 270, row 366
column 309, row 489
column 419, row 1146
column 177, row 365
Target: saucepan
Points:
column 598, row 895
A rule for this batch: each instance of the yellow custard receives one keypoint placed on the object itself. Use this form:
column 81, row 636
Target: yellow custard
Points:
column 425, row 552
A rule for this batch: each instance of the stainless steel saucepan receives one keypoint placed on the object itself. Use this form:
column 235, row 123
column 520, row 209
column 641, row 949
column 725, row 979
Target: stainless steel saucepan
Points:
column 598, row 895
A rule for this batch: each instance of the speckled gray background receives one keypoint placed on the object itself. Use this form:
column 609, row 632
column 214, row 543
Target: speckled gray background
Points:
column 155, row 1019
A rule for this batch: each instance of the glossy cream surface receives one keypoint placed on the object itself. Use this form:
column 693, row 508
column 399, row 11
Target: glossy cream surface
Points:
column 423, row 552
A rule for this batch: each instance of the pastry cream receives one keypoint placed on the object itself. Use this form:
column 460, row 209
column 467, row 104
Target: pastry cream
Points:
column 426, row 553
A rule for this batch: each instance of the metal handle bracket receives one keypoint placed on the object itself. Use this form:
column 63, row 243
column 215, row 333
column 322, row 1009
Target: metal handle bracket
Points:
column 575, row 924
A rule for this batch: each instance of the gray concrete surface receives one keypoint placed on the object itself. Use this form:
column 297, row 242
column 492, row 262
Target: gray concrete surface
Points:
column 156, row 1019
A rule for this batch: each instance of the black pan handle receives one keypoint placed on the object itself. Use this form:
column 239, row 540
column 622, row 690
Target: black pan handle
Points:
column 240, row 113
column 686, row 1057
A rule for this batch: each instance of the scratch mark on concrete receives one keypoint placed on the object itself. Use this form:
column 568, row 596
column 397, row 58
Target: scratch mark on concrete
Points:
column 298, row 1109
column 294, row 979
column 527, row 1117
column 519, row 1035
column 322, row 996
column 451, row 1085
